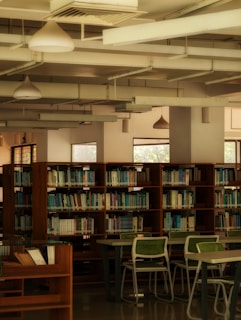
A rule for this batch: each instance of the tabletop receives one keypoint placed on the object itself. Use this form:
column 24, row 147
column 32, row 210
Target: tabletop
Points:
column 217, row 256
column 171, row 241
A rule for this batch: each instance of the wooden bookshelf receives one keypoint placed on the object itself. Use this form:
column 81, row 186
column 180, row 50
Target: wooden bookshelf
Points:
column 57, row 297
column 82, row 202
column 227, row 197
column 17, row 195
column 187, row 197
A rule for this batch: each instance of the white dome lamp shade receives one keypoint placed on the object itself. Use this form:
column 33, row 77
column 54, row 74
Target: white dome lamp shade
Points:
column 51, row 38
column 27, row 91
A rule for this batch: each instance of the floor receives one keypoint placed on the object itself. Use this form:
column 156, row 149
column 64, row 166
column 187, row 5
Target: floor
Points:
column 90, row 304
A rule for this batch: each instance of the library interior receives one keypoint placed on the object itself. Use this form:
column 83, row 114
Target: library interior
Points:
column 80, row 238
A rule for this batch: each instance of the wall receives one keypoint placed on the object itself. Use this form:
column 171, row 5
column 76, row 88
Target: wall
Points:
column 115, row 145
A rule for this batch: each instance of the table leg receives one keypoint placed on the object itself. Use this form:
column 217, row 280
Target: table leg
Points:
column 204, row 289
column 117, row 273
column 106, row 272
column 235, row 292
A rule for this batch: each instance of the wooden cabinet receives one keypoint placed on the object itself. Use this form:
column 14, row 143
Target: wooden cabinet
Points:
column 16, row 297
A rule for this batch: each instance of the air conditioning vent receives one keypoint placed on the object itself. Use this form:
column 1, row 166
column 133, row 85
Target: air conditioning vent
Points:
column 98, row 13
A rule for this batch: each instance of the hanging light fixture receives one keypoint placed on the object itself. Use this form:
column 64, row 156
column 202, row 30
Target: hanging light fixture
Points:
column 51, row 38
column 161, row 124
column 27, row 91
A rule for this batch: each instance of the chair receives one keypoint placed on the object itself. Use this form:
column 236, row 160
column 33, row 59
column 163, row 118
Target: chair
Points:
column 131, row 235
column 178, row 249
column 190, row 265
column 209, row 247
column 153, row 251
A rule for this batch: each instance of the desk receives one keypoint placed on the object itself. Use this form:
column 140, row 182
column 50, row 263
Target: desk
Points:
column 117, row 244
column 215, row 258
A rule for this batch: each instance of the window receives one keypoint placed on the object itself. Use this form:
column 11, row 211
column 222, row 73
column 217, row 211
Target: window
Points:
column 84, row 152
column 151, row 150
column 232, row 151
column 23, row 154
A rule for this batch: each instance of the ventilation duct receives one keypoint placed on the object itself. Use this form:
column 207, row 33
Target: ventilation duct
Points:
column 99, row 12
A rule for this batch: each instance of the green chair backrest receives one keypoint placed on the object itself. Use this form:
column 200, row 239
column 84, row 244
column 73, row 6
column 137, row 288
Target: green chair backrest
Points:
column 191, row 242
column 149, row 247
column 209, row 246
column 178, row 249
column 233, row 233
column 182, row 234
column 132, row 235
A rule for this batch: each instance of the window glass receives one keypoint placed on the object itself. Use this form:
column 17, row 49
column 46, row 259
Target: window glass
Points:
column 151, row 150
column 84, row 152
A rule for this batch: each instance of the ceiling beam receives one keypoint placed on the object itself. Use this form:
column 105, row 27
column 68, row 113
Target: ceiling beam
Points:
column 76, row 117
column 182, row 101
column 146, row 48
column 174, row 28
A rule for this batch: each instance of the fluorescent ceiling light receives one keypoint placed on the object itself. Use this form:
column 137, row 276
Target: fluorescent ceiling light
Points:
column 51, row 38
column 27, row 91
column 41, row 124
column 76, row 117
column 129, row 107
column 182, row 101
column 174, row 28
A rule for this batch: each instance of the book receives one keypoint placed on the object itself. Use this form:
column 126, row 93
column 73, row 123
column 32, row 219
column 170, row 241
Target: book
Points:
column 36, row 255
column 51, row 254
column 24, row 258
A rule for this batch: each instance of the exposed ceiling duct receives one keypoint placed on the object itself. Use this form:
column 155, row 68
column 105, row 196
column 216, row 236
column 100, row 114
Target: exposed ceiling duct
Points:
column 99, row 12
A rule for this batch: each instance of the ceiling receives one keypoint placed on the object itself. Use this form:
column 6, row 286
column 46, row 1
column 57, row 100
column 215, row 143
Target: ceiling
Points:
column 101, row 72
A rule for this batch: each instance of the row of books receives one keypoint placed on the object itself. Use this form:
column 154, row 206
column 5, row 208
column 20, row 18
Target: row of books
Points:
column 22, row 199
column 23, row 221
column 179, row 222
column 180, row 176
column 228, row 220
column 75, row 201
column 224, row 176
column 178, row 199
column 121, row 177
column 125, row 223
column 70, row 226
column 228, row 198
column 71, row 176
column 127, row 200
column 22, row 178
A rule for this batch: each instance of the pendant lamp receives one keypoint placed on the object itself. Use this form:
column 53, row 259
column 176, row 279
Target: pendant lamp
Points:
column 27, row 91
column 51, row 38
column 161, row 124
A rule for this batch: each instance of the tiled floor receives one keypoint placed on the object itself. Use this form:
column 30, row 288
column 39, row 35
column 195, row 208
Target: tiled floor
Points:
column 90, row 304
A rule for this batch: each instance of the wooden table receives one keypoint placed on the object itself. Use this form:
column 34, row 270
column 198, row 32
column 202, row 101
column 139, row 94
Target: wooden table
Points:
column 215, row 258
column 117, row 244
